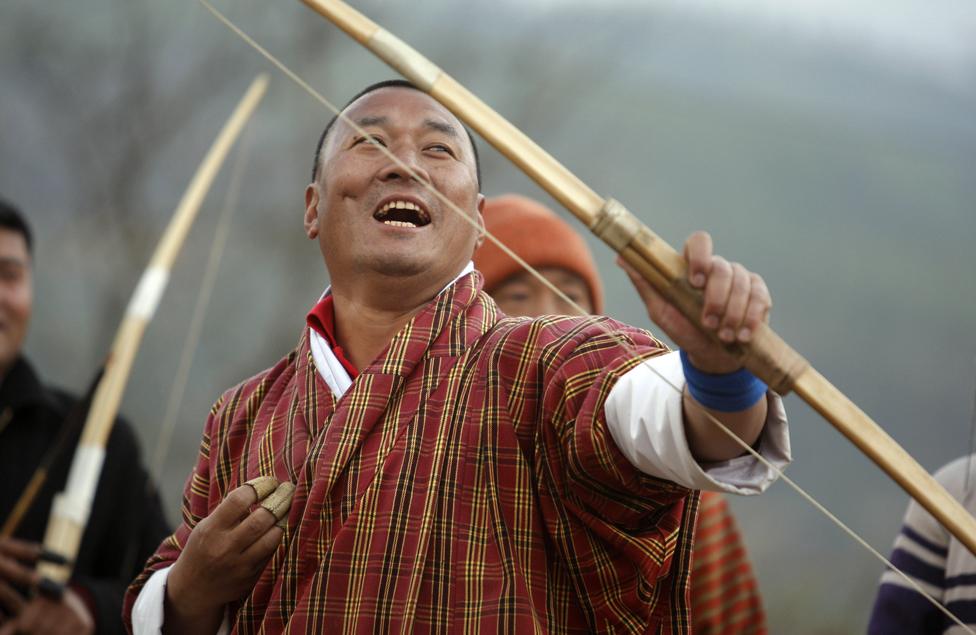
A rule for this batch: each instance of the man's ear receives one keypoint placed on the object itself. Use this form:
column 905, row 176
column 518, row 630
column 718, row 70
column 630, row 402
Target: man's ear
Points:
column 311, row 220
column 480, row 207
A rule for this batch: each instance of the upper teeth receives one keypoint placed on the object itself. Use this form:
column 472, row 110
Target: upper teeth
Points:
column 419, row 218
column 399, row 205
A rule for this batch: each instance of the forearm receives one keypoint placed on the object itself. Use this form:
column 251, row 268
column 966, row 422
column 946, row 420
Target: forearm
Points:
column 708, row 442
column 645, row 416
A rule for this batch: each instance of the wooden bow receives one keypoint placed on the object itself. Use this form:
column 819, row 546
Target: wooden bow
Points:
column 767, row 355
column 71, row 508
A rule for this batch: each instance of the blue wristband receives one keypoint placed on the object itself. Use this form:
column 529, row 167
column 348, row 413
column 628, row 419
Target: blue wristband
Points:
column 728, row 392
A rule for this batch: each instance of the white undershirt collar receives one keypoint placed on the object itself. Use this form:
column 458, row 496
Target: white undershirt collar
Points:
column 333, row 373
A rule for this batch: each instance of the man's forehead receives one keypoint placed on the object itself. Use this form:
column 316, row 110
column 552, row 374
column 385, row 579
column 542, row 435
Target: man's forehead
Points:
column 401, row 106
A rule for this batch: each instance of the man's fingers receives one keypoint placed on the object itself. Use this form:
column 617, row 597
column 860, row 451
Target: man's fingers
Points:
column 681, row 330
column 698, row 254
column 234, row 507
column 252, row 528
column 658, row 308
column 716, row 294
column 279, row 503
column 263, row 486
column 10, row 599
column 735, row 308
column 18, row 574
column 22, row 550
column 273, row 508
column 263, row 548
column 646, row 292
column 758, row 310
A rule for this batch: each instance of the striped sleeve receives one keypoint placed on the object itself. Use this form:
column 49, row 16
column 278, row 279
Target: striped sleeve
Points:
column 624, row 536
column 578, row 381
column 922, row 550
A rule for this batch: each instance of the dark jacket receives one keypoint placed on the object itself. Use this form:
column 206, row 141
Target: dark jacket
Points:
column 127, row 521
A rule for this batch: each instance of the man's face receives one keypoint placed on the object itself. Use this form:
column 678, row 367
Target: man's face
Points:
column 16, row 295
column 370, row 216
column 523, row 295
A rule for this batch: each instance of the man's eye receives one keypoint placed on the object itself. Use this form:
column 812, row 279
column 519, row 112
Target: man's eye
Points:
column 516, row 296
column 369, row 141
column 8, row 275
column 440, row 147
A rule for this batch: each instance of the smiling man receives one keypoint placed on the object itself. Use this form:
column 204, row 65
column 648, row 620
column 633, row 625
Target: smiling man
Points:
column 456, row 470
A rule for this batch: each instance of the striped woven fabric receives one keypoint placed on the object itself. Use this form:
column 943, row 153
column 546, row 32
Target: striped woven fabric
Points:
column 724, row 593
column 466, row 482
column 941, row 565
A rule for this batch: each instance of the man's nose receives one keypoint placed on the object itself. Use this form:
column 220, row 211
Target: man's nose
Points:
column 407, row 166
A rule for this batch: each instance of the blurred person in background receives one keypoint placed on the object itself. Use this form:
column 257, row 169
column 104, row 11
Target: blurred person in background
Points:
column 453, row 469
column 940, row 564
column 127, row 520
column 725, row 596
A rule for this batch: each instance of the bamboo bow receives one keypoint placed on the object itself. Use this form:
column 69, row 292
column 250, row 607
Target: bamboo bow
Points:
column 767, row 355
column 71, row 508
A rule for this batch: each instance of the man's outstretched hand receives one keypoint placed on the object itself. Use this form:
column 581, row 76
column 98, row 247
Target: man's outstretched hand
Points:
column 736, row 303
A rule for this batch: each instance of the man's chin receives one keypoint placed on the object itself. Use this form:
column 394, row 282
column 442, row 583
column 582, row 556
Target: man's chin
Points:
column 398, row 267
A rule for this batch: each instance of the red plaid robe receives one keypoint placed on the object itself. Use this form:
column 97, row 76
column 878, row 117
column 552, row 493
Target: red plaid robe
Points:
column 466, row 482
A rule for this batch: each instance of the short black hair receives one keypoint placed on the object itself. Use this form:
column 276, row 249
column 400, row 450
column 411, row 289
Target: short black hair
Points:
column 389, row 83
column 11, row 219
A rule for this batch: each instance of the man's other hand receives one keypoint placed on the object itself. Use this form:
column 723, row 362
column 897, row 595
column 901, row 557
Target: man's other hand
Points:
column 30, row 613
column 46, row 616
column 221, row 562
column 17, row 575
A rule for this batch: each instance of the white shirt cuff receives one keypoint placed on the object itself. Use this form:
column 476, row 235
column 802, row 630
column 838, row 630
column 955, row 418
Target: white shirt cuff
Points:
column 148, row 611
column 645, row 417
column 150, row 607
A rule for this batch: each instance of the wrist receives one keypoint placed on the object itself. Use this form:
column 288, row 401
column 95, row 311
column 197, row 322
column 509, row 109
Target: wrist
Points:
column 706, row 364
column 182, row 607
column 722, row 391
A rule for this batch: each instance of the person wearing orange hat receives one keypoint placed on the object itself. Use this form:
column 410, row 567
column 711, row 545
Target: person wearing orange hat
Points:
column 550, row 245
column 724, row 593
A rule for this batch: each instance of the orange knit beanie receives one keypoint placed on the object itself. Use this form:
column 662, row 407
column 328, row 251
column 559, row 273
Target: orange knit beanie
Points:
column 538, row 236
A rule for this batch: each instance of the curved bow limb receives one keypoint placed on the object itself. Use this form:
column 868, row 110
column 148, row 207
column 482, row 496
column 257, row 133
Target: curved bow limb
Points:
column 71, row 507
column 767, row 355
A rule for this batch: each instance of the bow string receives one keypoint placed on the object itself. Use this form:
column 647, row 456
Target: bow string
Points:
column 767, row 356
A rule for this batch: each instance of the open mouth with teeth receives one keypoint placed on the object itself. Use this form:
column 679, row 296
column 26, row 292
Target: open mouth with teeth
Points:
column 402, row 214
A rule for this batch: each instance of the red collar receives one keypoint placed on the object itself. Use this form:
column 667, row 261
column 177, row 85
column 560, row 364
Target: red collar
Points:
column 321, row 319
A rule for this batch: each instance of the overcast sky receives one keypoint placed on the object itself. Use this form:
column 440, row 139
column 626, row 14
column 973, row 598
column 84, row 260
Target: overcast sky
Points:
column 937, row 36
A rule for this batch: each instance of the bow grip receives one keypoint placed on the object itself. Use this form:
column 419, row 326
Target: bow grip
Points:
column 767, row 355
